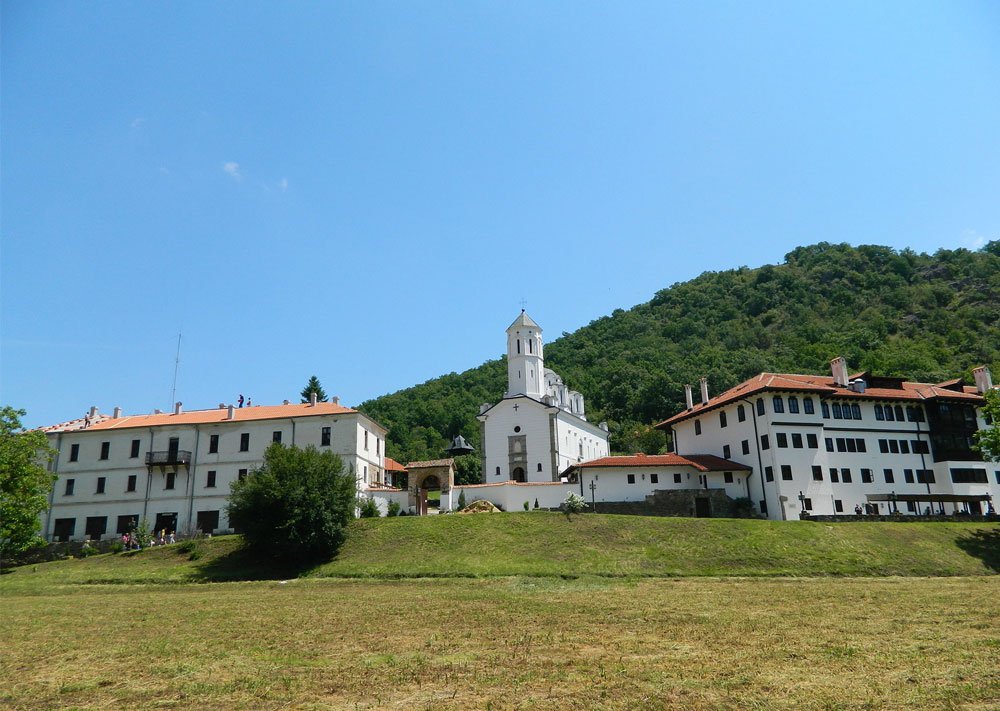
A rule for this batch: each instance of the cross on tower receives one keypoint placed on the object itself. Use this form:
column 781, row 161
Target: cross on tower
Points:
column 524, row 303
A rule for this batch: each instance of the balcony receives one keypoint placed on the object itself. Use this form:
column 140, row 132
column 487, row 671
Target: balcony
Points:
column 169, row 458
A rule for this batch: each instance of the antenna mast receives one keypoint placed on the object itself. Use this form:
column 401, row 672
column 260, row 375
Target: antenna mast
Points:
column 177, row 364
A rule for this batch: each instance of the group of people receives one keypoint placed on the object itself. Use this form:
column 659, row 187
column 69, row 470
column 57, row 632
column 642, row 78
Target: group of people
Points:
column 132, row 542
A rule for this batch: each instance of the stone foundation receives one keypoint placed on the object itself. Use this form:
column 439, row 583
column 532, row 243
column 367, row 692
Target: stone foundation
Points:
column 673, row 502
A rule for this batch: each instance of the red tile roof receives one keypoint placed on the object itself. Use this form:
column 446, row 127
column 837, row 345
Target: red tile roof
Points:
column 391, row 465
column 823, row 386
column 221, row 414
column 77, row 424
column 701, row 462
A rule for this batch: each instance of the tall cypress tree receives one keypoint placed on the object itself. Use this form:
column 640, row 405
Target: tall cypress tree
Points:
column 311, row 387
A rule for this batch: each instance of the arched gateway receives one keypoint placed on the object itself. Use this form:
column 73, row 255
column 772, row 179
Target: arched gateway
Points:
column 433, row 475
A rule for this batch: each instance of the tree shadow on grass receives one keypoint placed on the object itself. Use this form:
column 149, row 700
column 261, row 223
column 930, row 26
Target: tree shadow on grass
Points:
column 245, row 564
column 985, row 545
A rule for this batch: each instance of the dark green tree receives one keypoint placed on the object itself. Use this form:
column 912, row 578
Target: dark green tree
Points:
column 311, row 387
column 25, row 483
column 296, row 506
column 988, row 440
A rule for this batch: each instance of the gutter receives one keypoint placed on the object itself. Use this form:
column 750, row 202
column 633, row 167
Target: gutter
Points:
column 192, row 470
column 760, row 460
column 52, row 491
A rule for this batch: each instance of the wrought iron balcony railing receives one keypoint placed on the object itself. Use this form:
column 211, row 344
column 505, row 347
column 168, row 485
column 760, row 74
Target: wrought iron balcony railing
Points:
column 171, row 457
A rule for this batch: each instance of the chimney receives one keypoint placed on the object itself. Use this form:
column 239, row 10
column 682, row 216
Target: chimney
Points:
column 285, row 402
column 222, row 406
column 93, row 411
column 688, row 397
column 704, row 390
column 335, row 399
column 312, row 399
column 604, row 426
column 178, row 408
column 838, row 367
column 118, row 413
column 157, row 411
column 232, row 413
column 984, row 379
column 484, row 407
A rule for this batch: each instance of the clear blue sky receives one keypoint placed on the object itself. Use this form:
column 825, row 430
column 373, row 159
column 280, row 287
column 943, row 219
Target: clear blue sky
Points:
column 365, row 191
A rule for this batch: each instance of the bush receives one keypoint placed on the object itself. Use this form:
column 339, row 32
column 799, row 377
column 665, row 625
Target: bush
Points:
column 117, row 546
column 573, row 504
column 88, row 550
column 393, row 508
column 296, row 506
column 369, row 509
column 461, row 500
column 536, row 503
column 526, row 506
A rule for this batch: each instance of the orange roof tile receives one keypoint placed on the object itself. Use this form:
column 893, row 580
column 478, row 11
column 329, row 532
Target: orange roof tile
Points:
column 221, row 414
column 391, row 465
column 701, row 462
column 823, row 386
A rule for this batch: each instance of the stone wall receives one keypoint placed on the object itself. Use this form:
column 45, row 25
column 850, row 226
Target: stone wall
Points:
column 854, row 518
column 672, row 502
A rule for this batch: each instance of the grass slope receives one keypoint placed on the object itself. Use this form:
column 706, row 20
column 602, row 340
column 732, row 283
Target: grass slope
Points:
column 549, row 544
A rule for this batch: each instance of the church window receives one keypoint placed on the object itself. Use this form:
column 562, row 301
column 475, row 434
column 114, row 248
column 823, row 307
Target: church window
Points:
column 519, row 348
column 531, row 347
column 498, row 471
column 517, row 428
column 697, row 427
column 539, row 466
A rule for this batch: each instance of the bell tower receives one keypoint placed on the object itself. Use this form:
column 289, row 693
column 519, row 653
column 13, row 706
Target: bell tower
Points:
column 525, row 362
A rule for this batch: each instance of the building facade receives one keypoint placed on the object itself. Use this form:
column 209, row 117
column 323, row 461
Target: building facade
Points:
column 175, row 470
column 539, row 429
column 841, row 443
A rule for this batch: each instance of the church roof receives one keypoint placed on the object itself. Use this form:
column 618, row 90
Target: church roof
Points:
column 524, row 321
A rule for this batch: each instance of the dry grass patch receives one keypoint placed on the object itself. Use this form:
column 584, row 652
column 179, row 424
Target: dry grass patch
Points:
column 508, row 643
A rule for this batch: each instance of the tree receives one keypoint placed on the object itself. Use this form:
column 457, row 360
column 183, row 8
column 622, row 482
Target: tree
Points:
column 311, row 387
column 296, row 505
column 988, row 440
column 24, row 482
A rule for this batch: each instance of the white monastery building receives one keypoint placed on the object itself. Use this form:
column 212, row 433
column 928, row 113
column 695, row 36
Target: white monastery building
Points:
column 828, row 445
column 174, row 470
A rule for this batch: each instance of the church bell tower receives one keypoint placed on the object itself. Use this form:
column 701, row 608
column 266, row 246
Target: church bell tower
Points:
column 525, row 362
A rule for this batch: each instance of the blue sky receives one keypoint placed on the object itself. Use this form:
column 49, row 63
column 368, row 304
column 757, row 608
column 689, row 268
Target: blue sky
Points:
column 365, row 191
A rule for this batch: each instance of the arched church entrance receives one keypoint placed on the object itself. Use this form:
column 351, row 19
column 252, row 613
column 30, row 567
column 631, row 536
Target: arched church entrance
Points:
column 518, row 474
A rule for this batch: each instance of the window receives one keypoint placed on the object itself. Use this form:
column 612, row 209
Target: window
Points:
column 677, row 478
column 856, row 411
column 726, row 452
column 778, row 404
column 838, row 506
column 793, row 404
column 834, row 476
column 845, row 475
column 130, row 485
column 837, row 412
column 817, row 473
column 786, row 472
column 74, row 452
column 741, row 413
column 746, row 446
column 241, row 474
column 796, row 440
column 208, row 521
column 898, row 409
column 811, row 441
column 969, row 476
column 697, row 427
column 904, row 446
column 866, row 476
column 925, row 476
column 908, row 476
column 498, row 471
column 997, row 475
column 539, row 466
column 105, row 450
column 245, row 442
column 829, row 443
column 727, row 477
column 127, row 523
column 764, row 443
column 324, row 437
column 807, row 406
column 782, row 440
column 826, row 410
column 722, row 419
column 171, row 476
column 213, row 444
column 861, row 444
column 879, row 415
column 210, row 479
column 135, row 449
column 763, row 507
column 769, row 473
column 101, row 482
column 807, row 504
column 894, row 446
column 654, row 478
column 911, row 507
column 915, row 414
column 841, row 444
column 70, row 485
column 883, row 446
column 96, row 527
column 760, row 406
column 887, row 411
column 889, row 477
column 276, row 436
column 852, row 444
column 631, row 478
column 366, row 440
column 919, row 447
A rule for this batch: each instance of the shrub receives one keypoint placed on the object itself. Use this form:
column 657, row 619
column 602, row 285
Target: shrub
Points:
column 536, row 503
column 526, row 506
column 88, row 550
column 461, row 499
column 117, row 546
column 573, row 504
column 393, row 508
column 369, row 509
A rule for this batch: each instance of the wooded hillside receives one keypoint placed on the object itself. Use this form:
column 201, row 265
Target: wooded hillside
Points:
column 924, row 317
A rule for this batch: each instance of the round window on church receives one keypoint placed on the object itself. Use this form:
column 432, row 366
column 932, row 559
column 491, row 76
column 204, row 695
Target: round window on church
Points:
column 517, row 428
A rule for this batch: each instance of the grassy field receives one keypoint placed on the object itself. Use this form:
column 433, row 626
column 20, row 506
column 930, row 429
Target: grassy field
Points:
column 522, row 611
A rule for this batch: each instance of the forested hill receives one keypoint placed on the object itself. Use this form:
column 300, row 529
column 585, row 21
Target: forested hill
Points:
column 925, row 317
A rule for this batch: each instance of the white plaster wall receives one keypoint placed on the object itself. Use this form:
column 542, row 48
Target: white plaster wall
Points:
column 533, row 420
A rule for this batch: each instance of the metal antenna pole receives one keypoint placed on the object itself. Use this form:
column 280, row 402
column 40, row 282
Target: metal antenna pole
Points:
column 177, row 364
